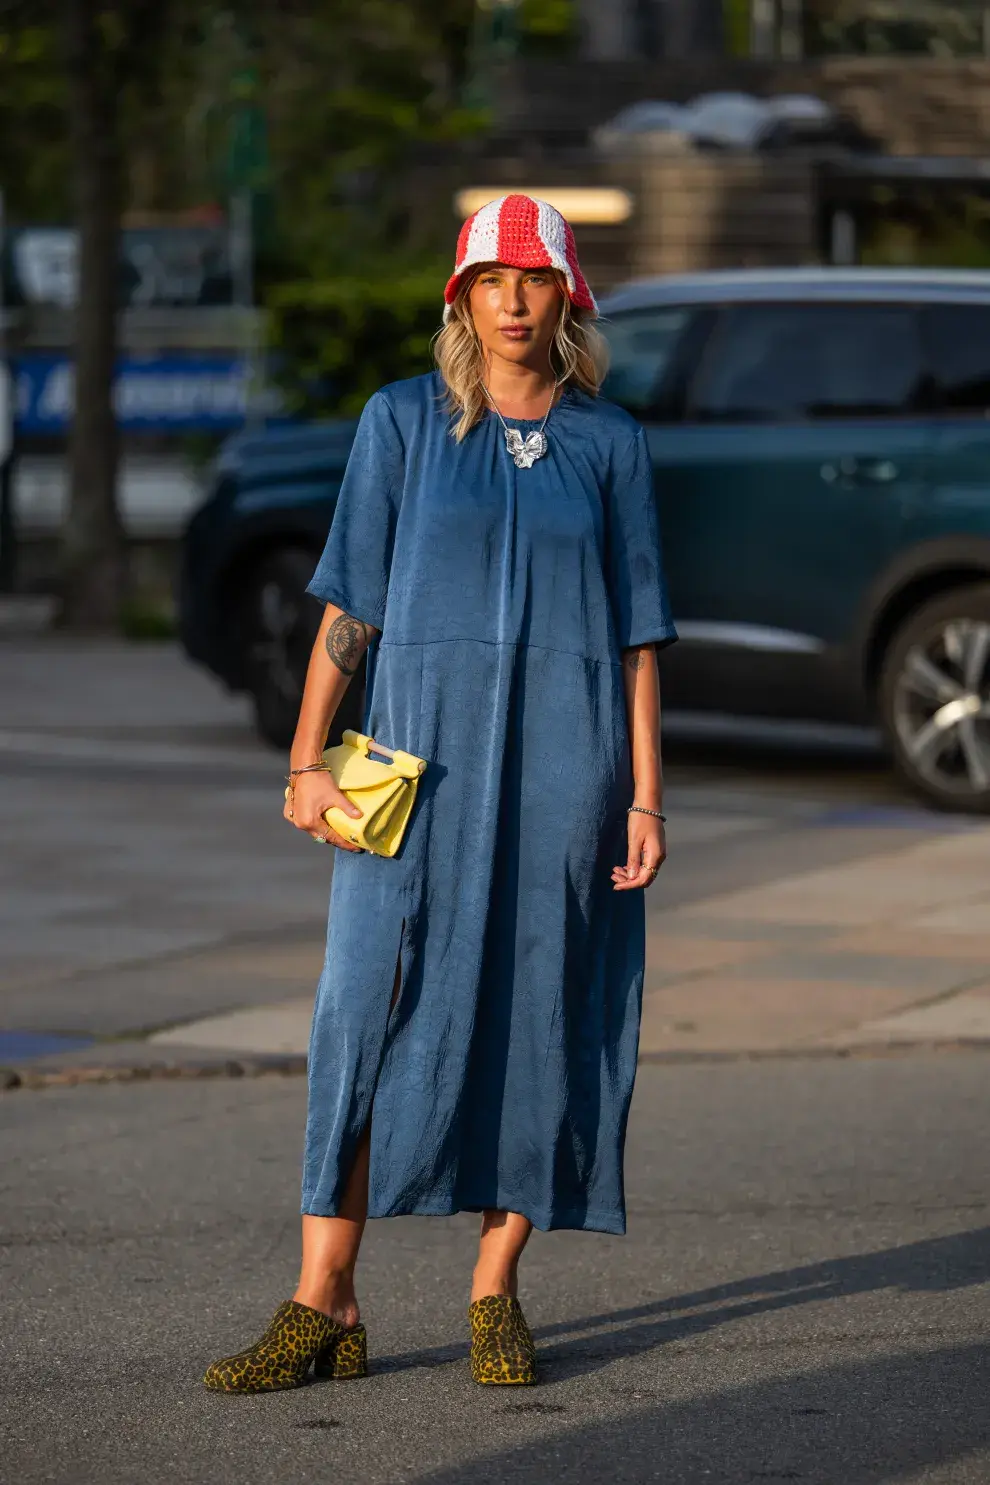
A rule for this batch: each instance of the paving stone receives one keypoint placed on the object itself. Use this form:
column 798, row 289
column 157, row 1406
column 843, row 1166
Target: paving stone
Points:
column 959, row 1018
column 912, row 939
column 270, row 1029
column 865, row 892
column 670, row 955
column 702, row 925
column 964, row 917
column 912, row 974
column 729, row 1013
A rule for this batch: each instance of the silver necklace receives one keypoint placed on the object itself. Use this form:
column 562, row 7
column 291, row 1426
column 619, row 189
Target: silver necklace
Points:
column 524, row 451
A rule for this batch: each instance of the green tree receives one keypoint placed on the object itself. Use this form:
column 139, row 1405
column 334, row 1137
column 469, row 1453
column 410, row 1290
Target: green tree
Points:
column 355, row 271
column 34, row 135
column 107, row 105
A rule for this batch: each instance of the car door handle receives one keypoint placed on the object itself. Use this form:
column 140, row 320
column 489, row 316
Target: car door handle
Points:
column 839, row 473
column 875, row 471
column 860, row 471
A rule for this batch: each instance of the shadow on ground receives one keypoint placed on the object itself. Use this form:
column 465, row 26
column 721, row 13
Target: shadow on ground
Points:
column 862, row 1423
column 859, row 1423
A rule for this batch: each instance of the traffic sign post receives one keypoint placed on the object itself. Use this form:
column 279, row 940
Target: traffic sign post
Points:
column 8, row 534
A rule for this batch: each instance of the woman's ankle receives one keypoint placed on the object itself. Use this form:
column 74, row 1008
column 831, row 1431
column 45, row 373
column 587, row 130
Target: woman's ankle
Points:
column 333, row 1295
column 492, row 1281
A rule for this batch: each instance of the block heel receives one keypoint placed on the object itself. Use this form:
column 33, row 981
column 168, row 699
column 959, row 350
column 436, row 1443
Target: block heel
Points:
column 346, row 1356
column 502, row 1349
column 297, row 1338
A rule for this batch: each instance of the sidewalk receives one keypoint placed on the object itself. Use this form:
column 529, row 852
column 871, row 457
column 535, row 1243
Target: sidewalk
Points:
column 162, row 921
column 888, row 952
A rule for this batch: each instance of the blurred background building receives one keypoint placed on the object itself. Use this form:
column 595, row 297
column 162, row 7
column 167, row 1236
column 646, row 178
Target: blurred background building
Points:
column 290, row 179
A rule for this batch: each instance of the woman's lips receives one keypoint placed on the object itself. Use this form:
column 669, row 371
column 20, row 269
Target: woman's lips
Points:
column 515, row 332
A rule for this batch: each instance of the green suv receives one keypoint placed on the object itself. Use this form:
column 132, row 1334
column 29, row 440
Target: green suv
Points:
column 821, row 440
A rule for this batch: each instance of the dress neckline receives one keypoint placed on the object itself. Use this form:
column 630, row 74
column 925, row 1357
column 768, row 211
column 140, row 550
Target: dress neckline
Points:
column 566, row 394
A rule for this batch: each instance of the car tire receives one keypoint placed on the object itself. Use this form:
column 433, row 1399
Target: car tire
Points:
column 281, row 621
column 934, row 698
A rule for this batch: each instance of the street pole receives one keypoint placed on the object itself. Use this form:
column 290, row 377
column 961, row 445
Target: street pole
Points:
column 608, row 32
column 8, row 533
column 241, row 229
column 792, row 29
column 763, row 29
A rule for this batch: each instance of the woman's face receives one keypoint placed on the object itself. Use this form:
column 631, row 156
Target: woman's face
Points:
column 515, row 312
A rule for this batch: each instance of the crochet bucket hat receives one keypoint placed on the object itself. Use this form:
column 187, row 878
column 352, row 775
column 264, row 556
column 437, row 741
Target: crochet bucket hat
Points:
column 520, row 232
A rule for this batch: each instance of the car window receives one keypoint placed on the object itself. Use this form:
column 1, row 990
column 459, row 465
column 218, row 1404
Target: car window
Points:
column 642, row 345
column 958, row 337
column 792, row 362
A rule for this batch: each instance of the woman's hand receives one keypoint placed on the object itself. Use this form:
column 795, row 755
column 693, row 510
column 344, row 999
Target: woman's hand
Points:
column 310, row 797
column 647, row 852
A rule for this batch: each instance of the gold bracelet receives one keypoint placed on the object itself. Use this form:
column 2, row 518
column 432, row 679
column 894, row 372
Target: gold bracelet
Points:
column 309, row 768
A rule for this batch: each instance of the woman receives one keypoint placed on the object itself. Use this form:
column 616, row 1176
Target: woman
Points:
column 495, row 549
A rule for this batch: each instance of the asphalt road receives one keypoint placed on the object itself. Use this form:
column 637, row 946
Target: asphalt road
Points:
column 804, row 1294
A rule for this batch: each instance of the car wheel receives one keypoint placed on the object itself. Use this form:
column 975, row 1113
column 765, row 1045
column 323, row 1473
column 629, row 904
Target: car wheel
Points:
column 935, row 700
column 281, row 623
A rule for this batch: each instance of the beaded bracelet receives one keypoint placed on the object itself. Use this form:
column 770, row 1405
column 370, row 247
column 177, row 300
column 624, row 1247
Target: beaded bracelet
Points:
column 641, row 810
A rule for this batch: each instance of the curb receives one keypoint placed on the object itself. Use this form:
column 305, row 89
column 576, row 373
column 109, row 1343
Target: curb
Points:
column 863, row 1052
column 294, row 1065
column 13, row 1078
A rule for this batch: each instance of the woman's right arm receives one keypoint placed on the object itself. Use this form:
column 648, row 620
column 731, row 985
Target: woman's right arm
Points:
column 337, row 651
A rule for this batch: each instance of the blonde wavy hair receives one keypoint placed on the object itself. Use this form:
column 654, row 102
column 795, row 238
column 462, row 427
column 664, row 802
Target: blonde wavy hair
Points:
column 578, row 356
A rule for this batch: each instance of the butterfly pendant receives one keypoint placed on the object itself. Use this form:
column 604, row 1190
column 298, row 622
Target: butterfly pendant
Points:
column 525, row 452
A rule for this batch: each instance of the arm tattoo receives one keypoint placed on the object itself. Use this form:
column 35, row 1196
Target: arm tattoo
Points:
column 636, row 659
column 347, row 640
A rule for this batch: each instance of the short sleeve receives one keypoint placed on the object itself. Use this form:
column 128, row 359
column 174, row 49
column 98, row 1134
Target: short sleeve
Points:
column 353, row 571
column 635, row 566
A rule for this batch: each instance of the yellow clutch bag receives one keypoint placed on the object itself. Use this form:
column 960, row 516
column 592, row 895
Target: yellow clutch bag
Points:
column 383, row 792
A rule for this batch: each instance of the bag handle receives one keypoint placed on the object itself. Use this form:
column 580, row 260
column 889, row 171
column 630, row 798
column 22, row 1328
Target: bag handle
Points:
column 403, row 763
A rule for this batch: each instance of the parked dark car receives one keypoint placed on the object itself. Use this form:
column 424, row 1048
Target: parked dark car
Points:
column 821, row 441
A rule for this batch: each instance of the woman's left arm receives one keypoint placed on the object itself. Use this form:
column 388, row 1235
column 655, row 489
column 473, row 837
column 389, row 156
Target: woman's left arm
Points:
column 647, row 845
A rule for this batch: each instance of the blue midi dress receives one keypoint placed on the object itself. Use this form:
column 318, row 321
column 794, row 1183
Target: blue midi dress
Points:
column 502, row 1076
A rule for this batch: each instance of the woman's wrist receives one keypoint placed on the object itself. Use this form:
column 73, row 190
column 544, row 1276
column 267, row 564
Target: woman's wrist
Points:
column 304, row 757
column 648, row 798
column 307, row 746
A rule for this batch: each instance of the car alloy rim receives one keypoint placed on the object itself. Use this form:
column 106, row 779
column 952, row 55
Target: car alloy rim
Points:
column 278, row 625
column 942, row 707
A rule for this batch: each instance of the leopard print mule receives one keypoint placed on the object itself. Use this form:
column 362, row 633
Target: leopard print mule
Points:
column 296, row 1338
column 502, row 1349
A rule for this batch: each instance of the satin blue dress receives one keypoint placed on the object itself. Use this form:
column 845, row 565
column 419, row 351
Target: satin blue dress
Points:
column 504, row 597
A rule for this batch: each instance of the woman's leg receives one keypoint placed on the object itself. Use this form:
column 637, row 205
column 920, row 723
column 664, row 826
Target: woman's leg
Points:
column 503, row 1237
column 330, row 1248
column 330, row 1245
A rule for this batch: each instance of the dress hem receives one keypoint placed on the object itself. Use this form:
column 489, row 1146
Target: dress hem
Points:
column 611, row 1223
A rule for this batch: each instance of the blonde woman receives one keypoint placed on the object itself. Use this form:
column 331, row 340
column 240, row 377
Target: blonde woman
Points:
column 495, row 549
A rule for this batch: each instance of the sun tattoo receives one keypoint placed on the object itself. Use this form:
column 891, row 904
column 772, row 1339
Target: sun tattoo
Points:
column 347, row 640
column 636, row 659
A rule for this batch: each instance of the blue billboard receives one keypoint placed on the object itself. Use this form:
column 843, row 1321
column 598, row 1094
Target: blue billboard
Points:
column 165, row 394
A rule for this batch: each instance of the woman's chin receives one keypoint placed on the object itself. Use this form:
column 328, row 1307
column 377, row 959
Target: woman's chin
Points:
column 520, row 352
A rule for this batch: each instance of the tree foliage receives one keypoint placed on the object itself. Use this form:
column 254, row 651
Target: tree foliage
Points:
column 34, row 134
column 895, row 27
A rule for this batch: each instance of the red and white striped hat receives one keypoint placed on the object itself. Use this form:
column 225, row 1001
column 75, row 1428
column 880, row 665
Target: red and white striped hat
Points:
column 520, row 232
